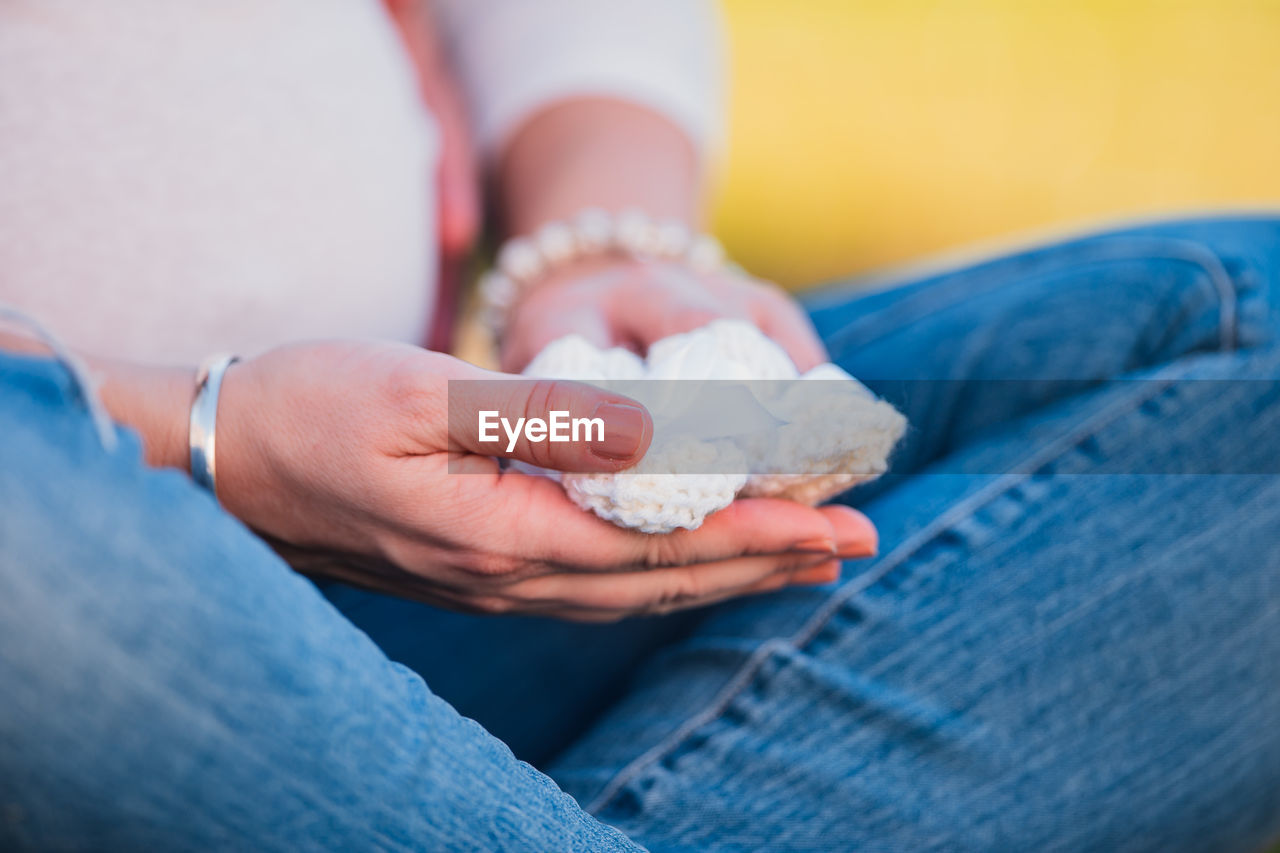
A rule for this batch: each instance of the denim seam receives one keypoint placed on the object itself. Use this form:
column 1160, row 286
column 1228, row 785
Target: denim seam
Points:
column 1199, row 666
column 1028, row 467
column 1105, row 251
column 1057, row 625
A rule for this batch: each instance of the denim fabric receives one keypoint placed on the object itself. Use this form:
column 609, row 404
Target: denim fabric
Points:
column 535, row 684
column 169, row 684
column 1090, row 309
column 1048, row 658
column 1043, row 660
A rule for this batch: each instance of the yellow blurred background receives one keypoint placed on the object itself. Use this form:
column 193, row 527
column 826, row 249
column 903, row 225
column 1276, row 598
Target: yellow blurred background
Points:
column 869, row 132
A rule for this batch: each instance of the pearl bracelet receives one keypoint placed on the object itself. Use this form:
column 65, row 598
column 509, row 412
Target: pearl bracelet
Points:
column 593, row 233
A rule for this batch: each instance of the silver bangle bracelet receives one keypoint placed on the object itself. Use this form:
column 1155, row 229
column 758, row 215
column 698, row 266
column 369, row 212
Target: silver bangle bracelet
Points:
column 204, row 419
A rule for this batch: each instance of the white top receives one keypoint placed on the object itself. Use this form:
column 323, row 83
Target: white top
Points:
column 185, row 177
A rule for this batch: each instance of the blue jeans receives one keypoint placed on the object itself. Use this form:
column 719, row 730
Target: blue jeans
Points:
column 1071, row 639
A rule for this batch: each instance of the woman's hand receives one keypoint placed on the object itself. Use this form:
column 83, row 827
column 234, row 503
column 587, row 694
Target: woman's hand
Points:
column 629, row 303
column 614, row 155
column 356, row 462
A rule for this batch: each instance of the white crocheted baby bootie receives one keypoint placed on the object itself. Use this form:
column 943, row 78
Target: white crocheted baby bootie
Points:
column 808, row 444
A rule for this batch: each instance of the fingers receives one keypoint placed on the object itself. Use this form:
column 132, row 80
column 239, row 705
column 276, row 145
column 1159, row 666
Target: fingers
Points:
column 662, row 590
column 567, row 426
column 823, row 573
column 524, row 340
column 637, row 304
column 684, row 308
column 817, row 574
column 745, row 527
column 535, row 552
column 781, row 318
column 552, row 531
column 664, row 301
column 856, row 536
column 574, row 301
column 528, row 519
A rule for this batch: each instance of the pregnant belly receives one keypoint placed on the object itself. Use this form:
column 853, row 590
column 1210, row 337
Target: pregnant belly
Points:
column 182, row 178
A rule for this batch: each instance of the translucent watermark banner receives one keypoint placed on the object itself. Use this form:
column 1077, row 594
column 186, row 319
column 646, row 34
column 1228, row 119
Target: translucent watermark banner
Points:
column 820, row 427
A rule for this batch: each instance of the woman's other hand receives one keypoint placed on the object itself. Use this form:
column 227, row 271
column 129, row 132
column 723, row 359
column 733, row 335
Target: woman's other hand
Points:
column 615, row 302
column 350, row 458
column 613, row 155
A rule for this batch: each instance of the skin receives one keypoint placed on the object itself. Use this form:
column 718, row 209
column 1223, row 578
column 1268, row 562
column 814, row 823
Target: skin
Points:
column 613, row 155
column 346, row 455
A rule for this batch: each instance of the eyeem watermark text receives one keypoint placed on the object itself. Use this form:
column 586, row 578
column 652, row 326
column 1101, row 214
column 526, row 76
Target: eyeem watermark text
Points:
column 559, row 427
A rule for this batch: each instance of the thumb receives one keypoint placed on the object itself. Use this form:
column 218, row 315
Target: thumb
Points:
column 551, row 423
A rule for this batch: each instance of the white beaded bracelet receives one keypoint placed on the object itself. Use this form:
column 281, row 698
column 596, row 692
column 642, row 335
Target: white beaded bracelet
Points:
column 522, row 261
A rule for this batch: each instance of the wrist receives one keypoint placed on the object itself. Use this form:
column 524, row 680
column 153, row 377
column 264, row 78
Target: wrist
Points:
column 599, row 152
column 154, row 401
column 592, row 236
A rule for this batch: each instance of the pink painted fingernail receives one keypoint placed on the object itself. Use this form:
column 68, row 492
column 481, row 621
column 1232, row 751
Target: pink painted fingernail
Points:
column 820, row 545
column 624, row 431
column 859, row 551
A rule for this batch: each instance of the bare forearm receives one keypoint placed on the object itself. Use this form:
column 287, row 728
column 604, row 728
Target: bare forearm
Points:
column 598, row 152
column 152, row 400
column 155, row 401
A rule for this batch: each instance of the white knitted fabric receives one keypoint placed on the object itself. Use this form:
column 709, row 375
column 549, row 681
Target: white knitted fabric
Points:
column 800, row 446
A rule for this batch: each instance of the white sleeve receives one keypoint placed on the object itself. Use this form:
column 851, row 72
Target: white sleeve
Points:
column 517, row 56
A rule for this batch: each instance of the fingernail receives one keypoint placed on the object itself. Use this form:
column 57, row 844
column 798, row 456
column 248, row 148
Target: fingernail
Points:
column 817, row 576
column 624, row 427
column 860, row 551
column 821, row 545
